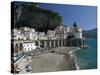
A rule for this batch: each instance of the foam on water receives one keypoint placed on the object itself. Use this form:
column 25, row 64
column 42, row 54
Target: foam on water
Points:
column 72, row 56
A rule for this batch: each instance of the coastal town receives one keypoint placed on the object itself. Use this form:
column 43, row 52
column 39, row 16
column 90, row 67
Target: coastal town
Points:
column 27, row 44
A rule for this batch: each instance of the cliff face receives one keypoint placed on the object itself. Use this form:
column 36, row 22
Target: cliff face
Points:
column 29, row 15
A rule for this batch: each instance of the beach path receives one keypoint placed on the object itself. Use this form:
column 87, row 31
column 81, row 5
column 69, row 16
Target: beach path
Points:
column 49, row 62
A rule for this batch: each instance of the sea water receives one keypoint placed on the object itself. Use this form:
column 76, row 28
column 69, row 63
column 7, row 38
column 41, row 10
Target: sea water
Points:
column 87, row 58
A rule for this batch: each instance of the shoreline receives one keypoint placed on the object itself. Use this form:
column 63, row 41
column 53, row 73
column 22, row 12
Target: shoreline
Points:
column 60, row 60
column 73, row 57
column 71, row 53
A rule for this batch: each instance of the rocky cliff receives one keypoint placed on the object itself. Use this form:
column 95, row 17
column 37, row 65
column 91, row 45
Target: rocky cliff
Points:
column 30, row 15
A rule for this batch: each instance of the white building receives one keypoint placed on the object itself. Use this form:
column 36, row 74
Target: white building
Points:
column 77, row 31
column 50, row 34
column 16, row 34
column 29, row 46
column 33, row 34
column 42, row 36
column 61, row 32
column 29, row 33
column 78, row 34
column 66, row 32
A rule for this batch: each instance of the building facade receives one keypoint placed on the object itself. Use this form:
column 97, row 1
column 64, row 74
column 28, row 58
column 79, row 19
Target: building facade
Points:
column 29, row 46
column 26, row 40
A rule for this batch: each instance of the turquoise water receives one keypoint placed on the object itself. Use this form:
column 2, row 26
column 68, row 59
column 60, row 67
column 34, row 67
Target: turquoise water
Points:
column 87, row 58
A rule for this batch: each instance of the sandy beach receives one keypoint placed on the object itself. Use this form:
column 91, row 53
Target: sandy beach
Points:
column 59, row 60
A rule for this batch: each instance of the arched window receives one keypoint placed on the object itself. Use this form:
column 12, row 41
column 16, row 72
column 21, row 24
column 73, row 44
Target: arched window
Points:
column 21, row 47
column 16, row 48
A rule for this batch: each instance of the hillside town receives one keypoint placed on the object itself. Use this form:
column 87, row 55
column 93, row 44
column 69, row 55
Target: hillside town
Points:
column 25, row 40
column 60, row 32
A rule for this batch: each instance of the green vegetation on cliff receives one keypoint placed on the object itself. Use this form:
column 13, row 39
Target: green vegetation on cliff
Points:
column 30, row 15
